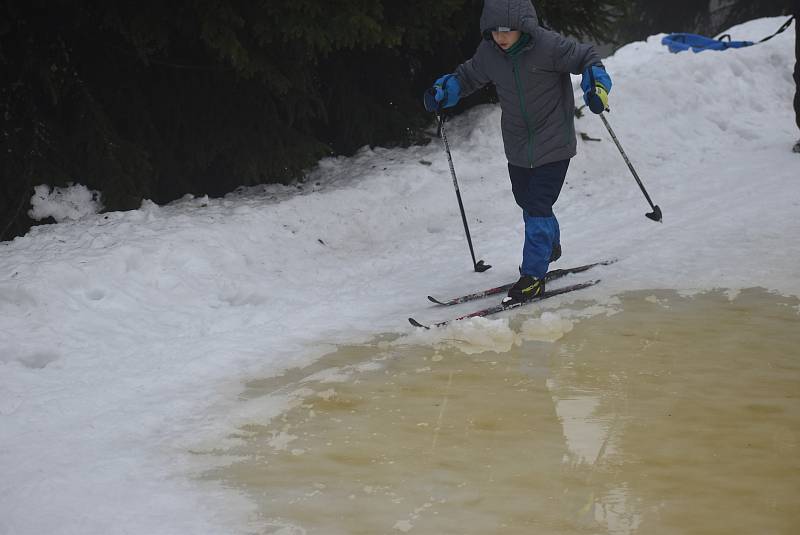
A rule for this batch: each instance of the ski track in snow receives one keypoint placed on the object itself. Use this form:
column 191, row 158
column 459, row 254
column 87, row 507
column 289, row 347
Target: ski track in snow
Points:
column 125, row 337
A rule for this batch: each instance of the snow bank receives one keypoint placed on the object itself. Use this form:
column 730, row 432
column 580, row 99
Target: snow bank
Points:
column 62, row 204
column 125, row 337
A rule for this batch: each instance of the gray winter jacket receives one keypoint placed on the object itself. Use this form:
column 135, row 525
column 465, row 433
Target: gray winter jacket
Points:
column 534, row 86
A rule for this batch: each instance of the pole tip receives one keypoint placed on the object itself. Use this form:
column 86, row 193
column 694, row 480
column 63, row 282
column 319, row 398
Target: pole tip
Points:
column 480, row 267
column 655, row 215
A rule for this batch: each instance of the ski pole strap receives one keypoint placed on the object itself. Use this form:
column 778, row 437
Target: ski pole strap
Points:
column 780, row 30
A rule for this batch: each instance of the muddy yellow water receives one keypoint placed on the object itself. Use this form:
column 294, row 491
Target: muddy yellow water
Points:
column 659, row 415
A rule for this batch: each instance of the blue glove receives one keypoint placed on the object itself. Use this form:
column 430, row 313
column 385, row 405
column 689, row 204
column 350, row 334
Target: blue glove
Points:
column 445, row 93
column 596, row 85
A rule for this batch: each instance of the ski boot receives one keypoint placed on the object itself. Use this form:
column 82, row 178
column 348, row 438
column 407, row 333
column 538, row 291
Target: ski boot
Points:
column 525, row 289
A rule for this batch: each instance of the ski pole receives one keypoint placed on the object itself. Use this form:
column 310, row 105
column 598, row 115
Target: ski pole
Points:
column 479, row 266
column 655, row 215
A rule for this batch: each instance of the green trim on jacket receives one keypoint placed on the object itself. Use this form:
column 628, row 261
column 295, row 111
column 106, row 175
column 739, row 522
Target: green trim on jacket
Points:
column 513, row 53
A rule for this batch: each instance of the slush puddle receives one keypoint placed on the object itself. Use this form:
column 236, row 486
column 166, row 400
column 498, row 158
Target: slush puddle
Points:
column 668, row 414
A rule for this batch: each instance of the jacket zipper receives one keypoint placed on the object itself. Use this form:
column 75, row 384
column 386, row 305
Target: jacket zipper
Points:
column 524, row 110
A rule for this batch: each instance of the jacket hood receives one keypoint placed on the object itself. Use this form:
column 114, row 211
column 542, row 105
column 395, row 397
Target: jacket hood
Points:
column 514, row 14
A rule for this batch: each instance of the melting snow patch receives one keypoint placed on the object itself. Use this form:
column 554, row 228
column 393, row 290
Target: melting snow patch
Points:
column 470, row 336
column 403, row 525
column 549, row 327
column 280, row 441
column 331, row 375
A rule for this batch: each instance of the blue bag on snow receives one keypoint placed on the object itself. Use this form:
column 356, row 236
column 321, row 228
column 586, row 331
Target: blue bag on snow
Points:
column 678, row 42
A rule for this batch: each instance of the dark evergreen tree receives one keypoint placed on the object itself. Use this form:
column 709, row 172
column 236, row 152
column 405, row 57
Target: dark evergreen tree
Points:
column 706, row 17
column 158, row 99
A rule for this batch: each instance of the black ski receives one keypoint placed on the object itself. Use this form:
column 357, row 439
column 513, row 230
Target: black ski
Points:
column 500, row 308
column 551, row 276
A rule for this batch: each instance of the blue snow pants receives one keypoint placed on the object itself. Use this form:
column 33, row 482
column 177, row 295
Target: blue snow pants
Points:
column 536, row 191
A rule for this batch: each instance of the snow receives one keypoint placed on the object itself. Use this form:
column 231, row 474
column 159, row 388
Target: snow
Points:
column 125, row 338
column 73, row 202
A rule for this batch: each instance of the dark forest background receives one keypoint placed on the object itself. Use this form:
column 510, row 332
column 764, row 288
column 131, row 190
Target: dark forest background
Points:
column 154, row 99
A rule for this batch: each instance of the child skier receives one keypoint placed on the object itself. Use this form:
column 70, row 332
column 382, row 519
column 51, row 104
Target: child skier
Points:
column 529, row 67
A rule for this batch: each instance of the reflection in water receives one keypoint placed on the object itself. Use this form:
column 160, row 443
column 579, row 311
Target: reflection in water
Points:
column 674, row 415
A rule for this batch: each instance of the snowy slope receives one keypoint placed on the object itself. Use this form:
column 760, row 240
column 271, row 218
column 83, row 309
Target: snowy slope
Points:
column 125, row 337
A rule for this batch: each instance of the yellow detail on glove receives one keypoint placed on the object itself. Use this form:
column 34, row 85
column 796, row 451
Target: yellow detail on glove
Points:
column 601, row 92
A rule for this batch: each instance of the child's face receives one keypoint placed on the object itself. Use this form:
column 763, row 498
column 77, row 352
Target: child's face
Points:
column 506, row 40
